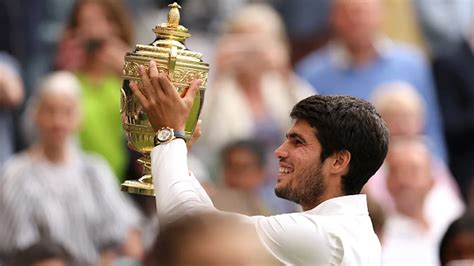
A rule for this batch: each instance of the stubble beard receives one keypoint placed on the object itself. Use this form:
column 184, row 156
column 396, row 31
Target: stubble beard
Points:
column 305, row 188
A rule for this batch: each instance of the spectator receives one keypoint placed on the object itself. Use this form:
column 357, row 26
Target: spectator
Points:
column 242, row 187
column 96, row 39
column 404, row 111
column 209, row 239
column 455, row 84
column 254, row 85
column 401, row 107
column 457, row 245
column 423, row 207
column 53, row 191
column 358, row 60
column 11, row 96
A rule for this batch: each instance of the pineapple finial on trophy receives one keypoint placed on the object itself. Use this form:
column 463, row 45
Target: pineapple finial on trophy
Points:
column 173, row 15
column 170, row 31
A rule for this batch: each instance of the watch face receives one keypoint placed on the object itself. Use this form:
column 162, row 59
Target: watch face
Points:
column 164, row 135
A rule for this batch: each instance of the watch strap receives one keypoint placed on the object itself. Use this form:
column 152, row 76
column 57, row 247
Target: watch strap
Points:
column 179, row 134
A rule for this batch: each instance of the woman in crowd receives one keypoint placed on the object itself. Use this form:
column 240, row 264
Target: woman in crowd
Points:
column 55, row 192
column 96, row 39
column 254, row 85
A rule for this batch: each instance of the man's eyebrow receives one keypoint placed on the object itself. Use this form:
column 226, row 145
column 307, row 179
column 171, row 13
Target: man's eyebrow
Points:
column 295, row 136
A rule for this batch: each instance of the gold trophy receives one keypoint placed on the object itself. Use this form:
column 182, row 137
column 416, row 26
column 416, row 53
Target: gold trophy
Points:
column 182, row 66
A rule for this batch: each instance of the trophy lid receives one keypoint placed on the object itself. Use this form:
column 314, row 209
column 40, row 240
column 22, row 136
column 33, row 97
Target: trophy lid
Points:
column 169, row 35
column 168, row 45
column 172, row 30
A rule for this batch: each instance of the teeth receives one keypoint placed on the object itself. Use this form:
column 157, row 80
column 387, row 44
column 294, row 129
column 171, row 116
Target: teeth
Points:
column 283, row 170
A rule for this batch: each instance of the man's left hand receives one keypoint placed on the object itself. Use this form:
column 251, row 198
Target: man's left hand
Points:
column 161, row 101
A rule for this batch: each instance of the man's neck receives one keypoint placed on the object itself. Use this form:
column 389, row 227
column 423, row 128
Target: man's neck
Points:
column 361, row 55
column 416, row 214
column 328, row 195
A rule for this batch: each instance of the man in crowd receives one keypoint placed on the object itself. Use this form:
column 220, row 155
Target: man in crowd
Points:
column 424, row 205
column 359, row 59
column 335, row 144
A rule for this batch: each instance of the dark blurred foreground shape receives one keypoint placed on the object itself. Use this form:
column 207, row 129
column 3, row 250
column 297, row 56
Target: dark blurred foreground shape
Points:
column 457, row 245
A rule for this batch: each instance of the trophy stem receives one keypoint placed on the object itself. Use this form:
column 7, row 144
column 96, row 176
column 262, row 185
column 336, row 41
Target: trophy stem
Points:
column 144, row 185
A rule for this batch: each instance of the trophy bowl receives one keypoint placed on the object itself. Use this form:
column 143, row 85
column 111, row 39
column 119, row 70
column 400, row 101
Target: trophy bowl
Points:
column 182, row 66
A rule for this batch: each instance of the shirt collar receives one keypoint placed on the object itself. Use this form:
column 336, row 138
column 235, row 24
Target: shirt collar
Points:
column 340, row 57
column 345, row 205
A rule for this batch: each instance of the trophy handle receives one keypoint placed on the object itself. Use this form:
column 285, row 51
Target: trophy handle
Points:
column 172, row 61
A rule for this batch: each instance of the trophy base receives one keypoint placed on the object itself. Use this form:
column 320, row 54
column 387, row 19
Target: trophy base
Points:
column 138, row 187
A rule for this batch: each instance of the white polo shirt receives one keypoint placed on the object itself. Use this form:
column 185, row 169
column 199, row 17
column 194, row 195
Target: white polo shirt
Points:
column 336, row 232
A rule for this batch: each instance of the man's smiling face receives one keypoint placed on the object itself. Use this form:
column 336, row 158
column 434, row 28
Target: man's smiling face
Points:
column 301, row 175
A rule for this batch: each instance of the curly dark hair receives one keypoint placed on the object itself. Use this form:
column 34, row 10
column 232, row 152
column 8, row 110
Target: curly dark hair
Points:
column 351, row 124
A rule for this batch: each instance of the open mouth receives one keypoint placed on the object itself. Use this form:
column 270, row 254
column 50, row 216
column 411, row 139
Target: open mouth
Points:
column 285, row 170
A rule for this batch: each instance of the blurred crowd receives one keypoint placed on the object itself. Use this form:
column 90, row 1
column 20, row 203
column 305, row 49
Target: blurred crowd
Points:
column 63, row 153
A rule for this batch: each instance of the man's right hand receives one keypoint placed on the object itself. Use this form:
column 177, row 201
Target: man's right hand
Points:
column 161, row 101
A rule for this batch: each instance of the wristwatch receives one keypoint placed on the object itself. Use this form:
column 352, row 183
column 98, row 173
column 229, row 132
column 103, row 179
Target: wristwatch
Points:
column 166, row 134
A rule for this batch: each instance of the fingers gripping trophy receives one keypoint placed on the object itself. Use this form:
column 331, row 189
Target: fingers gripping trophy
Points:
column 181, row 66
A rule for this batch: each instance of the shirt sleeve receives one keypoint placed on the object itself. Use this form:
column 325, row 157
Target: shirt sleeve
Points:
column 178, row 193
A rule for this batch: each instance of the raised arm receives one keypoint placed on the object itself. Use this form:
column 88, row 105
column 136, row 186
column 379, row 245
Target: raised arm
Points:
column 178, row 193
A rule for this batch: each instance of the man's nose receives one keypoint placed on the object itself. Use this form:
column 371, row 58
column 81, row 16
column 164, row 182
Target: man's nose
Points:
column 281, row 152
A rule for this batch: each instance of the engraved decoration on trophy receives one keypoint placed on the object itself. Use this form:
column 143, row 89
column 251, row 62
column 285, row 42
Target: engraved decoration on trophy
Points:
column 182, row 66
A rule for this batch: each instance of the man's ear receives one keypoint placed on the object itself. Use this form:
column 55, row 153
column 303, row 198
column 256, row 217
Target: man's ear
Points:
column 340, row 162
